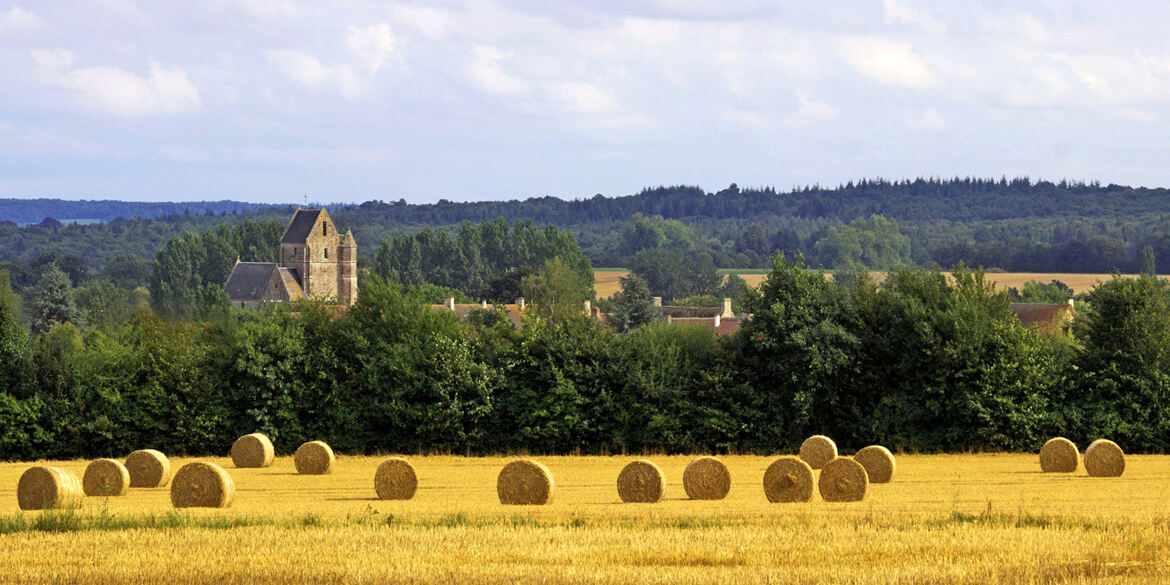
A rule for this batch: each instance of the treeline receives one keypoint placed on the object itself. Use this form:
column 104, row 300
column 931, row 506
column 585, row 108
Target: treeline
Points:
column 36, row 210
column 921, row 363
column 1016, row 224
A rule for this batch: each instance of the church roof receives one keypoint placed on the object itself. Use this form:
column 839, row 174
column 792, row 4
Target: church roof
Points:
column 248, row 280
column 301, row 225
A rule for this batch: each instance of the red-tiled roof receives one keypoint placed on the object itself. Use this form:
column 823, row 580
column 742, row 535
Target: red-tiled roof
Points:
column 726, row 326
column 1039, row 313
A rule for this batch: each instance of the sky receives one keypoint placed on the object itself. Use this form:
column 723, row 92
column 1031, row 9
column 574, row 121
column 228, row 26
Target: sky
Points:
column 347, row 101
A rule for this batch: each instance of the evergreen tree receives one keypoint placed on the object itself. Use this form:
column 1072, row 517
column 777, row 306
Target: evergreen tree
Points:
column 1149, row 262
column 53, row 302
column 633, row 306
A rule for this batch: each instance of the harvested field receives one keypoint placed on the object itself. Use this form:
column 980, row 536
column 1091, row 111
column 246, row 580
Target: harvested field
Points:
column 946, row 518
column 606, row 281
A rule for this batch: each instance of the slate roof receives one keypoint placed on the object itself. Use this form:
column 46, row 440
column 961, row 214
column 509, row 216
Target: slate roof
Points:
column 300, row 226
column 248, row 280
column 292, row 283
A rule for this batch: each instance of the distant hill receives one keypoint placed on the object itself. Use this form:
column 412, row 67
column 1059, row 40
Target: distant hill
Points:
column 26, row 211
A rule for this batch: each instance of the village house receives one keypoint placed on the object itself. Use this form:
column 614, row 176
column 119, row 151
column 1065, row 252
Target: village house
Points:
column 316, row 261
column 1050, row 318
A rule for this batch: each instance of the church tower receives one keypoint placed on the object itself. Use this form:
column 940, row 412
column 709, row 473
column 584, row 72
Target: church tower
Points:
column 347, row 287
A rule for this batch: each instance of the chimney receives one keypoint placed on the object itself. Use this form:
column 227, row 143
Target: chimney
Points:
column 588, row 311
column 657, row 301
column 717, row 321
column 520, row 303
column 1070, row 302
column 483, row 304
column 450, row 303
column 669, row 320
column 726, row 309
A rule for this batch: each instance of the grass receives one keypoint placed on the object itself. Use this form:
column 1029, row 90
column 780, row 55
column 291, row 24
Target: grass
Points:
column 945, row 519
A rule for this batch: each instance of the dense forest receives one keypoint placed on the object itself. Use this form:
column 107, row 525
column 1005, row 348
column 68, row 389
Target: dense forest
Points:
column 1012, row 225
column 920, row 363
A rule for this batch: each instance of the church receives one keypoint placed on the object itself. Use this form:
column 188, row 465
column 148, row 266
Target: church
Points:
column 315, row 262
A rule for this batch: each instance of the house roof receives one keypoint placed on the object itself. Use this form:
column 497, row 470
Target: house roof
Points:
column 1038, row 313
column 299, row 227
column 248, row 280
column 680, row 312
column 726, row 326
column 292, row 283
column 463, row 310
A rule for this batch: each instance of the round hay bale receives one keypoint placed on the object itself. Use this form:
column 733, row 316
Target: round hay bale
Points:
column 49, row 488
column 1059, row 455
column 525, row 482
column 148, row 468
column 395, row 479
column 106, row 477
column 818, row 450
column 1104, row 458
column 254, row 450
column 878, row 462
column 788, row 479
column 641, row 482
column 706, row 478
column 843, row 480
column 202, row 485
column 314, row 458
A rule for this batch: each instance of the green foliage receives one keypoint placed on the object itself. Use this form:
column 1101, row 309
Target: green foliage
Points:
column 8, row 297
column 873, row 243
column 485, row 261
column 1038, row 292
column 555, row 291
column 632, row 305
column 1125, row 392
column 14, row 353
column 1149, row 261
column 53, row 302
column 192, row 266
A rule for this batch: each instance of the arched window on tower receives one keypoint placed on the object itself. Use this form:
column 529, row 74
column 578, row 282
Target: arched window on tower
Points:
column 326, row 253
column 324, row 229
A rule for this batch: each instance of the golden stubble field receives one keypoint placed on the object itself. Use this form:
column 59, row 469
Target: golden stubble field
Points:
column 605, row 282
column 945, row 519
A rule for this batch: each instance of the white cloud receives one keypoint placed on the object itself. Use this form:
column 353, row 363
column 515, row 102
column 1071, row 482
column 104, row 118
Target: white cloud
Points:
column 372, row 45
column 887, row 61
column 308, row 71
column 581, row 97
column 814, row 109
column 17, row 17
column 119, row 92
column 487, row 73
column 929, row 121
column 898, row 11
column 271, row 9
column 430, row 22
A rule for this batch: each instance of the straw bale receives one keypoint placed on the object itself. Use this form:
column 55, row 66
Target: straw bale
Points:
column 49, row 488
column 254, row 450
column 878, row 462
column 395, row 479
column 106, row 477
column 314, row 458
column 642, row 482
column 1104, row 458
column 525, row 482
column 843, row 480
column 202, row 485
column 706, row 478
column 1059, row 455
column 148, row 468
column 818, row 450
column 788, row 479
